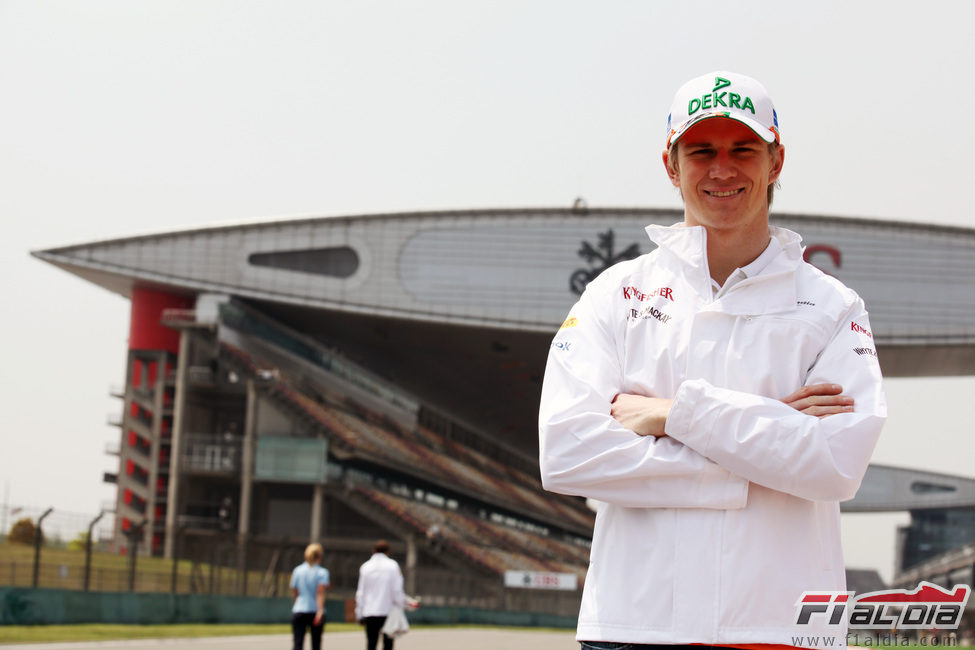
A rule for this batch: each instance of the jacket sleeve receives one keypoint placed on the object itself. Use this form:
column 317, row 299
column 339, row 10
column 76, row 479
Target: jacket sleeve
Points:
column 584, row 451
column 359, row 597
column 769, row 443
column 399, row 595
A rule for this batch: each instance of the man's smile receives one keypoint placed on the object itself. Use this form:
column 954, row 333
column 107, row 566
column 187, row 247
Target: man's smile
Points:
column 724, row 193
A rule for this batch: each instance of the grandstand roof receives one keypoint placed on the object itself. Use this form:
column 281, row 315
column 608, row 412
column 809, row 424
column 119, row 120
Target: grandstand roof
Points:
column 511, row 268
column 459, row 305
column 887, row 488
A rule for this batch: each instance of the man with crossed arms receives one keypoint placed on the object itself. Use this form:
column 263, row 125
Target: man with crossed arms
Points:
column 718, row 397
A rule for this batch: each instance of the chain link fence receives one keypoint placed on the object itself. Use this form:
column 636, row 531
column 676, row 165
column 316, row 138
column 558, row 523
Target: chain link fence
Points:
column 219, row 563
column 189, row 579
column 61, row 527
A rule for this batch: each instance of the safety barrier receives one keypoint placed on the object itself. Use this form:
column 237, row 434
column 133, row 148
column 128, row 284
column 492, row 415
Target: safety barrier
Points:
column 23, row 606
column 20, row 606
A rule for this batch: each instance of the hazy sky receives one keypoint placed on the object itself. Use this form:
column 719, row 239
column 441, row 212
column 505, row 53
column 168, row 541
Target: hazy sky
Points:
column 127, row 117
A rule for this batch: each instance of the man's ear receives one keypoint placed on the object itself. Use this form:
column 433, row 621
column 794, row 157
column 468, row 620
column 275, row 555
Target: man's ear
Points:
column 778, row 159
column 673, row 173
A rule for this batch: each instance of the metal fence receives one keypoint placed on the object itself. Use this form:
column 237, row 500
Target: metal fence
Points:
column 211, row 563
column 188, row 579
column 436, row 587
column 61, row 526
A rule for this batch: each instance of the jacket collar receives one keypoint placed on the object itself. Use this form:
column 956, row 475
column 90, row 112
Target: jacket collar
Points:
column 772, row 290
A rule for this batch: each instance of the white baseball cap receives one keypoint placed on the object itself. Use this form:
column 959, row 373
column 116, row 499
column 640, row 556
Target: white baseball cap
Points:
column 723, row 94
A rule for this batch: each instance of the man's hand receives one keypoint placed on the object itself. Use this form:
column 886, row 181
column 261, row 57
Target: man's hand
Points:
column 646, row 416
column 820, row 400
column 318, row 617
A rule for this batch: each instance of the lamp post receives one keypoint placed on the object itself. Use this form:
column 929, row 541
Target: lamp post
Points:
column 37, row 546
column 134, row 533
column 91, row 530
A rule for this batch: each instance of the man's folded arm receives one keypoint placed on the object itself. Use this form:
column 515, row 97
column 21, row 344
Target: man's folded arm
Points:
column 772, row 444
column 584, row 451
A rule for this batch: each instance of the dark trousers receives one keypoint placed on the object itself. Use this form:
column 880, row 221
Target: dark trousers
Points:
column 302, row 621
column 374, row 626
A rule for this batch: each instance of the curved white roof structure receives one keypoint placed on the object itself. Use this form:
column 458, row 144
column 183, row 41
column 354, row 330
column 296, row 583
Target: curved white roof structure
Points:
column 889, row 489
column 514, row 269
column 481, row 291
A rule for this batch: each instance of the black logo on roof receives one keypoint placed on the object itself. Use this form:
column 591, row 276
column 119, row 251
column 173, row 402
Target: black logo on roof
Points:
column 599, row 258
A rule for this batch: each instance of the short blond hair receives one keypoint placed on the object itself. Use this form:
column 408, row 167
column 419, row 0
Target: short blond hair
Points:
column 313, row 553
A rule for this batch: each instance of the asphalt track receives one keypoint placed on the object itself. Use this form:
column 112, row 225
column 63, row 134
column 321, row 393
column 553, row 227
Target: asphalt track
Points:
column 417, row 639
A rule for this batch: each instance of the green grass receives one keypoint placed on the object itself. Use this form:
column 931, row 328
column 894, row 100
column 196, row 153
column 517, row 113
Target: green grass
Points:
column 106, row 632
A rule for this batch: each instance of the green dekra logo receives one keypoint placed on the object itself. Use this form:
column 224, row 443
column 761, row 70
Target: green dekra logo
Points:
column 715, row 99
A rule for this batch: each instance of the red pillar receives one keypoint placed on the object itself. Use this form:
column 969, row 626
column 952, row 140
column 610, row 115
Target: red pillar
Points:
column 145, row 331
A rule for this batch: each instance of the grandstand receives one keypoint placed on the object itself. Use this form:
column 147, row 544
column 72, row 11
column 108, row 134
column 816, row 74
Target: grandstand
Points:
column 338, row 454
column 349, row 378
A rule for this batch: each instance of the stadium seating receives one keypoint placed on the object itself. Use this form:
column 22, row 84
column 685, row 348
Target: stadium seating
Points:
column 493, row 546
column 516, row 527
column 445, row 460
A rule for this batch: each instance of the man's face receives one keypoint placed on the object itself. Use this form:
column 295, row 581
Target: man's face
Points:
column 723, row 171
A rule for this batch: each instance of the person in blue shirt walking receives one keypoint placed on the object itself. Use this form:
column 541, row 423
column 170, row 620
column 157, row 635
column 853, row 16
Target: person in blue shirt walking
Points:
column 309, row 581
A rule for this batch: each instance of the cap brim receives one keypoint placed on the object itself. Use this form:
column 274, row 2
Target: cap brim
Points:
column 765, row 134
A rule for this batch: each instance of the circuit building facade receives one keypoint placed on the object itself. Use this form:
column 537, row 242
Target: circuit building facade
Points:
column 348, row 378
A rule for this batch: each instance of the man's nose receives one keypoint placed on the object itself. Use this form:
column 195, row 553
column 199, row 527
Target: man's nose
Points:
column 722, row 166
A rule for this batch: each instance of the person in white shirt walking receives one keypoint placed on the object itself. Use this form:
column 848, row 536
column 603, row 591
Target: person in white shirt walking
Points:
column 380, row 589
column 309, row 581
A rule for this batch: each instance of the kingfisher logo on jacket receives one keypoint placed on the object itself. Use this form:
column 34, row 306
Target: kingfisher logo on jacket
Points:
column 632, row 293
column 860, row 330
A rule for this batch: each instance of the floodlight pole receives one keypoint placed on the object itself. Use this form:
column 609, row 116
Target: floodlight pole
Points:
column 91, row 529
column 134, row 533
column 37, row 546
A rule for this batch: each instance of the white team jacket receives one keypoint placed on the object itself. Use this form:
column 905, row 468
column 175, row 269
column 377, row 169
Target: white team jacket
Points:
column 709, row 535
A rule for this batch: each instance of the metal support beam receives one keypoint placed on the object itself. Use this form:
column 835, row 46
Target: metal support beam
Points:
column 411, row 562
column 248, row 453
column 175, row 451
column 317, row 502
column 158, row 415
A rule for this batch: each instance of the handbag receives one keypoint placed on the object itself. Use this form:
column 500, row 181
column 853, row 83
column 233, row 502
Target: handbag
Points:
column 396, row 624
